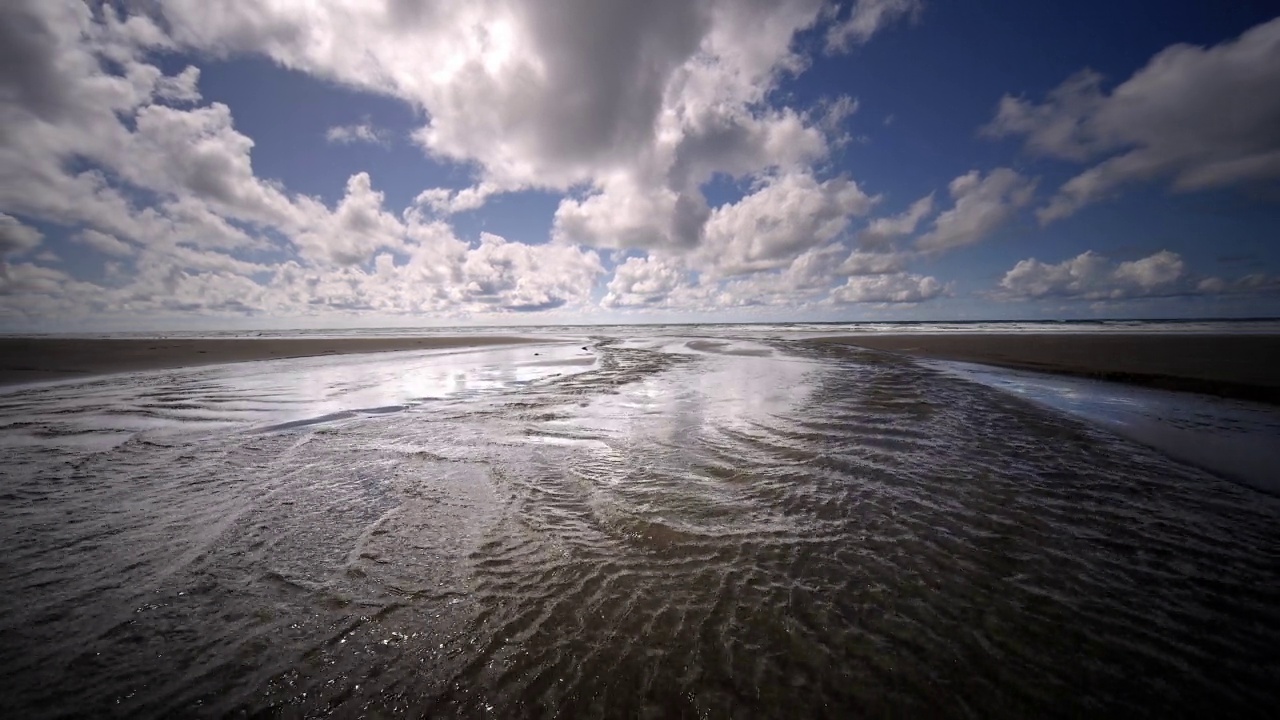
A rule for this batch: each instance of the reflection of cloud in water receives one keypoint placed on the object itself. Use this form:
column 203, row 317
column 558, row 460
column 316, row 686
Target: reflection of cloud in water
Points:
column 277, row 394
column 730, row 384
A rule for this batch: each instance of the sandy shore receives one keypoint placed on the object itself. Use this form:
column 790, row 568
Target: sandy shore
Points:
column 1245, row 367
column 25, row 360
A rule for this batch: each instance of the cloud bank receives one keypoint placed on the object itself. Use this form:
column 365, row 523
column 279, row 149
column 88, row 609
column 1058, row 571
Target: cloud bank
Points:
column 626, row 113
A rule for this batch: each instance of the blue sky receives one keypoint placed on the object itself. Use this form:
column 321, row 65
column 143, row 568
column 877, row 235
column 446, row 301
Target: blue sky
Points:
column 281, row 163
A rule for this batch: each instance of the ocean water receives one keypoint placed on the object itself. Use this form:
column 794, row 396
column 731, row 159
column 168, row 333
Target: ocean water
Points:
column 667, row 523
column 787, row 330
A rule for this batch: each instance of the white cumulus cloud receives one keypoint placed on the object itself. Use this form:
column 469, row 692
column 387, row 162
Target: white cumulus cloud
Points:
column 1203, row 117
column 1092, row 276
column 769, row 228
column 890, row 288
column 645, row 282
column 881, row 232
column 632, row 105
column 982, row 204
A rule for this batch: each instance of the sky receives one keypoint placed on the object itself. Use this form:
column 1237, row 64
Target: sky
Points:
column 289, row 163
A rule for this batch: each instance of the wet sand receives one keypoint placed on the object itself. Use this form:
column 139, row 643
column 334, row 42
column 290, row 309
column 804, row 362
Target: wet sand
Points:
column 24, row 360
column 1241, row 367
column 716, row 527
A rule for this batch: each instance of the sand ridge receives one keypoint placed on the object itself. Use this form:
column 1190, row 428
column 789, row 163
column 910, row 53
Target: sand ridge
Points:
column 1242, row 367
column 37, row 359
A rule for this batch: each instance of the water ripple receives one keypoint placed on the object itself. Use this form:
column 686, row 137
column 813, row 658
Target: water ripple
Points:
column 683, row 528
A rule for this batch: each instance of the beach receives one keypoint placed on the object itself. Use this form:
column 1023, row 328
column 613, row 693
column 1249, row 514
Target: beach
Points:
column 1237, row 366
column 670, row 522
column 38, row 359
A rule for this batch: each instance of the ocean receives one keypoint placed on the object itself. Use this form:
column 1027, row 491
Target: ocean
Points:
column 782, row 330
column 656, row 521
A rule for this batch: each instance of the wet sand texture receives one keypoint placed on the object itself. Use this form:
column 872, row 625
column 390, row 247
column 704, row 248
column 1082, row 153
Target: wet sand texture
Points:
column 757, row 528
column 40, row 359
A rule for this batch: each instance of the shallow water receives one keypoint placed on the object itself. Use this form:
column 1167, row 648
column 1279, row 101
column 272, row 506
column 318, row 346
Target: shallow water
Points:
column 658, row 527
column 1238, row 440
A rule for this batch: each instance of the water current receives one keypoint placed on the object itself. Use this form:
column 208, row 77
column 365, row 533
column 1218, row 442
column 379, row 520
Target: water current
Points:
column 649, row 527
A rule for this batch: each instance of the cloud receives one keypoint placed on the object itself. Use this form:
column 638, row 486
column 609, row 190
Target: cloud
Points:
column 890, row 288
column 645, row 282
column 1202, row 117
column 1091, row 276
column 866, row 18
column 873, row 263
column 1056, row 127
column 1253, row 283
column 30, row 54
column 170, row 260
column 536, row 93
column 180, row 88
column 60, row 104
column 16, row 237
column 881, row 232
column 198, row 153
column 103, row 106
column 627, row 215
column 357, row 228
column 657, row 281
column 363, row 131
column 447, row 202
column 982, row 204
column 103, row 243
column 631, row 209
column 632, row 106
column 1151, row 272
column 629, row 109
column 27, row 279
column 802, row 281
column 836, row 110
column 439, row 275
column 518, row 277
column 789, row 214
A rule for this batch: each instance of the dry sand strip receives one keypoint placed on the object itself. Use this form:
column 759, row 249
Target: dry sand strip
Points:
column 25, row 360
column 1242, row 367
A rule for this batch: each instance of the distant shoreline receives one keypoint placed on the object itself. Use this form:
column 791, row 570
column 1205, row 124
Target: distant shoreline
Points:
column 42, row 359
column 1235, row 366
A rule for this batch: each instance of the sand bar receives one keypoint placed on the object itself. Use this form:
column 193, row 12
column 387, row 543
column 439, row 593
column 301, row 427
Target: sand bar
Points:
column 24, row 360
column 1243, row 367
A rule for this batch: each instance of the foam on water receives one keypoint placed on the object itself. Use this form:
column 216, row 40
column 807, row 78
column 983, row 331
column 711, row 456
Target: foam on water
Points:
column 671, row 524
